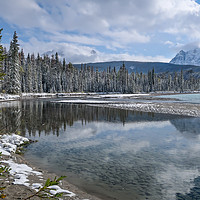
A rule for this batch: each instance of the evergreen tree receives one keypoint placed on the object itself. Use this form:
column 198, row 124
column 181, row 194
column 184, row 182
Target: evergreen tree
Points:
column 39, row 74
column 2, row 57
column 14, row 72
column 23, row 77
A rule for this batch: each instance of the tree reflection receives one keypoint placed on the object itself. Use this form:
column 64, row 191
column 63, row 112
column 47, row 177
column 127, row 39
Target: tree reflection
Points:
column 48, row 117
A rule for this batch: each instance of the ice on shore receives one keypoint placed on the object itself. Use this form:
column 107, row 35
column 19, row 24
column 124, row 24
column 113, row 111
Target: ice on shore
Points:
column 9, row 143
column 122, row 95
column 8, row 97
column 20, row 172
column 176, row 109
column 81, row 101
column 56, row 189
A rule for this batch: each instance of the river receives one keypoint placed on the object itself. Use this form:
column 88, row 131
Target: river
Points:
column 111, row 153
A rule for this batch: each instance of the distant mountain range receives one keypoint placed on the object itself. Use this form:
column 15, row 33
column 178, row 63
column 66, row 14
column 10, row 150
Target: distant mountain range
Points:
column 134, row 66
column 188, row 61
column 191, row 57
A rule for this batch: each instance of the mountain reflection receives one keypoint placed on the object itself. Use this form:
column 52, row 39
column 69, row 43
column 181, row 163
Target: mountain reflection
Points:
column 48, row 117
column 189, row 126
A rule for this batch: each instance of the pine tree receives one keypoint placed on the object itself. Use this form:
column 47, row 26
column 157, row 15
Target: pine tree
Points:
column 2, row 57
column 22, row 63
column 28, row 75
column 34, row 74
column 14, row 72
column 39, row 73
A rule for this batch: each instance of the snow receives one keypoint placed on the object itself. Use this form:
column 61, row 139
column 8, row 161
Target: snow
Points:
column 177, row 109
column 56, row 189
column 37, row 94
column 36, row 186
column 8, row 97
column 9, row 143
column 122, row 95
column 21, row 172
column 82, row 101
column 191, row 57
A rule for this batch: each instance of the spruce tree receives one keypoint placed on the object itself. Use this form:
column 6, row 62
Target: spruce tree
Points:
column 14, row 72
column 2, row 57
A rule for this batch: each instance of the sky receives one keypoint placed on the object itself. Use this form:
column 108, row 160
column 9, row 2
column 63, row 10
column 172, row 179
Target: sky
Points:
column 103, row 30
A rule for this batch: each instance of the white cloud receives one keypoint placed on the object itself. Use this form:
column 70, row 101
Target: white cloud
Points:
column 102, row 17
column 108, row 24
column 185, row 47
column 77, row 53
column 26, row 14
column 170, row 43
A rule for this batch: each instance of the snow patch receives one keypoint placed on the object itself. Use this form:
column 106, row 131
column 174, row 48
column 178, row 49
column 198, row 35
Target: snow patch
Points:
column 177, row 109
column 8, row 97
column 82, row 101
column 21, row 172
column 121, row 95
column 56, row 189
column 36, row 186
column 9, row 143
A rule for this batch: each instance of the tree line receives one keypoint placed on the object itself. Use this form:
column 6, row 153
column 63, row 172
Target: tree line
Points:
column 25, row 74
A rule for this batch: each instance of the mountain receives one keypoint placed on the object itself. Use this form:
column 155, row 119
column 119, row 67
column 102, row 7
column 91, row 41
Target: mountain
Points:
column 191, row 57
column 144, row 67
column 134, row 66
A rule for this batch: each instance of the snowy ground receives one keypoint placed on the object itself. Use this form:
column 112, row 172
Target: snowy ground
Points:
column 82, row 101
column 122, row 95
column 22, row 175
column 9, row 97
column 142, row 102
column 167, row 108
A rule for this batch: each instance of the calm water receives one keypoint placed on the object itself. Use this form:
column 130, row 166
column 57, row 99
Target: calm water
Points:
column 189, row 98
column 111, row 153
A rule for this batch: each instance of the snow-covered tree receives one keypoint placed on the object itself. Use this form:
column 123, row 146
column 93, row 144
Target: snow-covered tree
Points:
column 2, row 57
column 14, row 67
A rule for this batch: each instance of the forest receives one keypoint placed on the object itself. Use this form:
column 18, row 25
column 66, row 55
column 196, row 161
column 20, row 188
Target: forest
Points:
column 37, row 74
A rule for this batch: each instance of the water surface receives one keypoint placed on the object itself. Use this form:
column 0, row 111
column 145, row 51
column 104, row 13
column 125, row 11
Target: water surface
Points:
column 189, row 98
column 112, row 153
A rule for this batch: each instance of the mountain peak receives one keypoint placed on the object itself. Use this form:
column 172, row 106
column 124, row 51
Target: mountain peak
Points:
column 191, row 57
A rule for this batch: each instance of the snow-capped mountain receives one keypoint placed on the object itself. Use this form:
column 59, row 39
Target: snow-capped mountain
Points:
column 191, row 57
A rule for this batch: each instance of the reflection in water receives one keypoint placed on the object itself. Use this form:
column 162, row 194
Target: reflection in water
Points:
column 113, row 153
column 191, row 127
column 50, row 117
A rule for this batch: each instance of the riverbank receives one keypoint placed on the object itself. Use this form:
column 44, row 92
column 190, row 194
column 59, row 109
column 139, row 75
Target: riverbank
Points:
column 185, row 109
column 25, row 179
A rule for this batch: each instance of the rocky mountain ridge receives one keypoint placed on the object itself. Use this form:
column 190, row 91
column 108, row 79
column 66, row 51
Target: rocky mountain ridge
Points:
column 191, row 57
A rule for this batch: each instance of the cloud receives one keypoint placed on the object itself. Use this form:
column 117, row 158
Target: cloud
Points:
column 188, row 46
column 113, row 25
column 176, row 47
column 27, row 14
column 99, row 17
column 77, row 53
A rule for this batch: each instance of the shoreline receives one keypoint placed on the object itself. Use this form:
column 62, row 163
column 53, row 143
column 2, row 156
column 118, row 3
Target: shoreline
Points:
column 27, row 177
column 17, row 191
column 184, row 109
